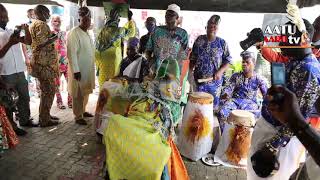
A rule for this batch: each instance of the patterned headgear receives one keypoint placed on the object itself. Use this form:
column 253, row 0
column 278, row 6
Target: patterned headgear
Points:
column 248, row 54
column 215, row 19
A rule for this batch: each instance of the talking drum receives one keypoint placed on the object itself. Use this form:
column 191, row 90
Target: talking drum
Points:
column 196, row 131
column 235, row 143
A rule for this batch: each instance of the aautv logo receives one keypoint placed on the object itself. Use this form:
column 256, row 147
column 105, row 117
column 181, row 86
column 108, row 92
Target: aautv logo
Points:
column 282, row 33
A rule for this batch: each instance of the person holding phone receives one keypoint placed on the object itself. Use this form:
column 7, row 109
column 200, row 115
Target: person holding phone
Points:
column 12, row 67
column 274, row 148
column 288, row 113
column 44, row 63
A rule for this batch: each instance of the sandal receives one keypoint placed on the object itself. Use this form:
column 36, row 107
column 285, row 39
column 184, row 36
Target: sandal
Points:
column 81, row 122
column 49, row 123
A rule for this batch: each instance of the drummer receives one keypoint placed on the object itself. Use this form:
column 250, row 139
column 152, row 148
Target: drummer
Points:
column 242, row 89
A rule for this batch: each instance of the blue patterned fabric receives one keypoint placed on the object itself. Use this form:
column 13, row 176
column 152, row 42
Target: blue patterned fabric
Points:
column 242, row 93
column 167, row 45
column 208, row 58
column 303, row 78
column 213, row 88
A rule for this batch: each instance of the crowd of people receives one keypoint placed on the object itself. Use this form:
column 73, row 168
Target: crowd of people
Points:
column 160, row 55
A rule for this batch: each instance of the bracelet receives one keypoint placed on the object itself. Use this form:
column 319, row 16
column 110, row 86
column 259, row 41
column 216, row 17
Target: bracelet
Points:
column 272, row 148
column 280, row 139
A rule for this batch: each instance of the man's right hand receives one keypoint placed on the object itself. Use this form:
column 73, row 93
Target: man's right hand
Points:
column 25, row 27
column 77, row 76
column 288, row 109
column 259, row 45
column 14, row 39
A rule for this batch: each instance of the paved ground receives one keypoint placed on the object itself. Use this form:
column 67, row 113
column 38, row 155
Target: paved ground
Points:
column 70, row 151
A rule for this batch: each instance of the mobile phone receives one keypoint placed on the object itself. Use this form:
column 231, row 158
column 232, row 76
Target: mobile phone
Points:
column 278, row 74
column 17, row 31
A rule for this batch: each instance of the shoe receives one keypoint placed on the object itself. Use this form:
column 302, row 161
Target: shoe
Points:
column 20, row 132
column 81, row 122
column 54, row 117
column 86, row 114
column 61, row 106
column 49, row 123
column 29, row 124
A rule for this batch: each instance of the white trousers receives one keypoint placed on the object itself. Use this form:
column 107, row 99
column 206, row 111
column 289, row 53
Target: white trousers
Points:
column 289, row 156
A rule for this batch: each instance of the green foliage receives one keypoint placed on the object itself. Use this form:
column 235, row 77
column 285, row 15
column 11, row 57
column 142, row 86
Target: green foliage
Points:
column 236, row 66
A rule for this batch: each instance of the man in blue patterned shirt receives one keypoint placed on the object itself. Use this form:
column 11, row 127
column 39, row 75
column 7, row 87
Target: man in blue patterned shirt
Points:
column 242, row 89
column 270, row 138
column 210, row 58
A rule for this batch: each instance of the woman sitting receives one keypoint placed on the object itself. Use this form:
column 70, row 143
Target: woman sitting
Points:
column 134, row 66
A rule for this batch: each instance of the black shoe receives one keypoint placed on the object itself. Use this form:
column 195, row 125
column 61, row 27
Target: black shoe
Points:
column 81, row 122
column 54, row 117
column 86, row 114
column 29, row 124
column 49, row 123
column 20, row 132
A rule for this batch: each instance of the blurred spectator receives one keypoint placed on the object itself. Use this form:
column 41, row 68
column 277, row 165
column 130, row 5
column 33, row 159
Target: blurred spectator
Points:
column 62, row 57
column 151, row 25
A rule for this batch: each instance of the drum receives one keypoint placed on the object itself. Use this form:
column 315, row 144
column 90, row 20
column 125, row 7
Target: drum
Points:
column 235, row 143
column 110, row 102
column 195, row 136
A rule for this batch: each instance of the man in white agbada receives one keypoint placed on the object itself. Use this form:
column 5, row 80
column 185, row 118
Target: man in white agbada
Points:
column 80, row 53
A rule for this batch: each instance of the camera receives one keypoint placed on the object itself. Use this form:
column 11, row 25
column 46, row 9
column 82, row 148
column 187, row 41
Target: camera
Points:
column 255, row 35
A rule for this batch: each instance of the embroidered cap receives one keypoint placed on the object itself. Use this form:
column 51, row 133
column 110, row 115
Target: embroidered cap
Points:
column 175, row 8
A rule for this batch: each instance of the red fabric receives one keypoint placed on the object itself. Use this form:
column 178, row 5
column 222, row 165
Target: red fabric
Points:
column 273, row 56
column 185, row 68
column 7, row 129
column 316, row 52
column 315, row 122
column 177, row 169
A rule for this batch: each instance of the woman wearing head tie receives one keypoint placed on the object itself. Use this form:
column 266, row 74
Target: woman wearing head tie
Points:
column 108, row 48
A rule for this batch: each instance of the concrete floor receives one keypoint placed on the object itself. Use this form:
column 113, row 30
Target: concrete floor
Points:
column 70, row 151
